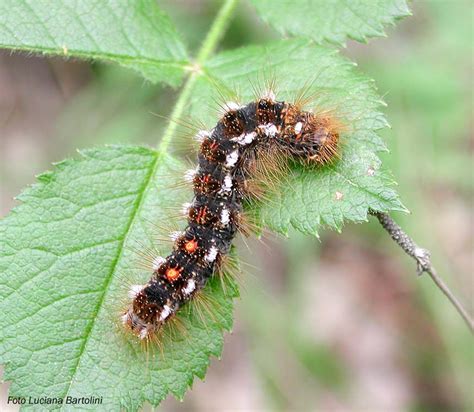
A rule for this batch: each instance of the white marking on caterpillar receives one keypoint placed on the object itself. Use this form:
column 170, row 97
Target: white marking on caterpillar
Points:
column 245, row 138
column 157, row 262
column 125, row 318
column 134, row 291
column 143, row 333
column 190, row 286
column 190, row 174
column 298, row 127
column 238, row 138
column 232, row 106
column 175, row 235
column 227, row 183
column 212, row 254
column 269, row 129
column 225, row 216
column 249, row 137
column 165, row 313
column 232, row 158
column 269, row 95
column 201, row 135
column 185, row 208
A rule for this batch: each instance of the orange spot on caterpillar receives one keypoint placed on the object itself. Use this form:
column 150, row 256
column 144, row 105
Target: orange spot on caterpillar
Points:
column 173, row 273
column 191, row 246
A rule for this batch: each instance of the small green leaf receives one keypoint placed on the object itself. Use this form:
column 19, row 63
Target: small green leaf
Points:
column 135, row 34
column 327, row 195
column 332, row 20
column 66, row 260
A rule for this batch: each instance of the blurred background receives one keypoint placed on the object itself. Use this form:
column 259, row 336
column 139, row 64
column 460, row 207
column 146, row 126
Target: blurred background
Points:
column 340, row 324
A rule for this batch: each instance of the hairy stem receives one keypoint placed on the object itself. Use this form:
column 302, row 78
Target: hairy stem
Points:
column 209, row 44
column 423, row 261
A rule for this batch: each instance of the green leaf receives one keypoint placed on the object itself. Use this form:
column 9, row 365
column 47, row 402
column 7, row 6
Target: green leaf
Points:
column 66, row 260
column 328, row 195
column 332, row 20
column 133, row 33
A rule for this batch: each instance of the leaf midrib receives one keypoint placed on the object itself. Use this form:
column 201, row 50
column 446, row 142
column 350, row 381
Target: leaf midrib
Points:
column 99, row 55
column 128, row 229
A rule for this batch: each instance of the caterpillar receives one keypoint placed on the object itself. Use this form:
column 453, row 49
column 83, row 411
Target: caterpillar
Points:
column 227, row 159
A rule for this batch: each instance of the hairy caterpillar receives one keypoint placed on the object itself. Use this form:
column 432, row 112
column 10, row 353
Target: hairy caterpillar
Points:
column 227, row 159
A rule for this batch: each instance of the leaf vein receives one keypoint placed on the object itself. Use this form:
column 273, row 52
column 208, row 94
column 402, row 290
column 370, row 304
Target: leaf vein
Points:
column 100, row 302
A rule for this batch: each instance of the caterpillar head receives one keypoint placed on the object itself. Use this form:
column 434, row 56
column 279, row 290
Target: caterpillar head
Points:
column 315, row 139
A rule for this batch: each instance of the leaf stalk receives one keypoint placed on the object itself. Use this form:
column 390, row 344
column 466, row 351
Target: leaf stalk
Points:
column 209, row 45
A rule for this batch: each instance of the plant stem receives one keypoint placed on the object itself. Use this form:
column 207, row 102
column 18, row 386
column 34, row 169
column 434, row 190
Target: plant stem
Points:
column 216, row 32
column 422, row 257
column 177, row 112
column 209, row 44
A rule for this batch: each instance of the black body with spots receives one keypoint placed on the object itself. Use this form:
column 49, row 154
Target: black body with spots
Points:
column 224, row 165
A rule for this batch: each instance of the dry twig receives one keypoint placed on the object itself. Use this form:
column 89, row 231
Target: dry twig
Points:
column 423, row 261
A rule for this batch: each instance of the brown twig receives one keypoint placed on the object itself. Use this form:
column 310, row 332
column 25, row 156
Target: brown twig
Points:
column 423, row 261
